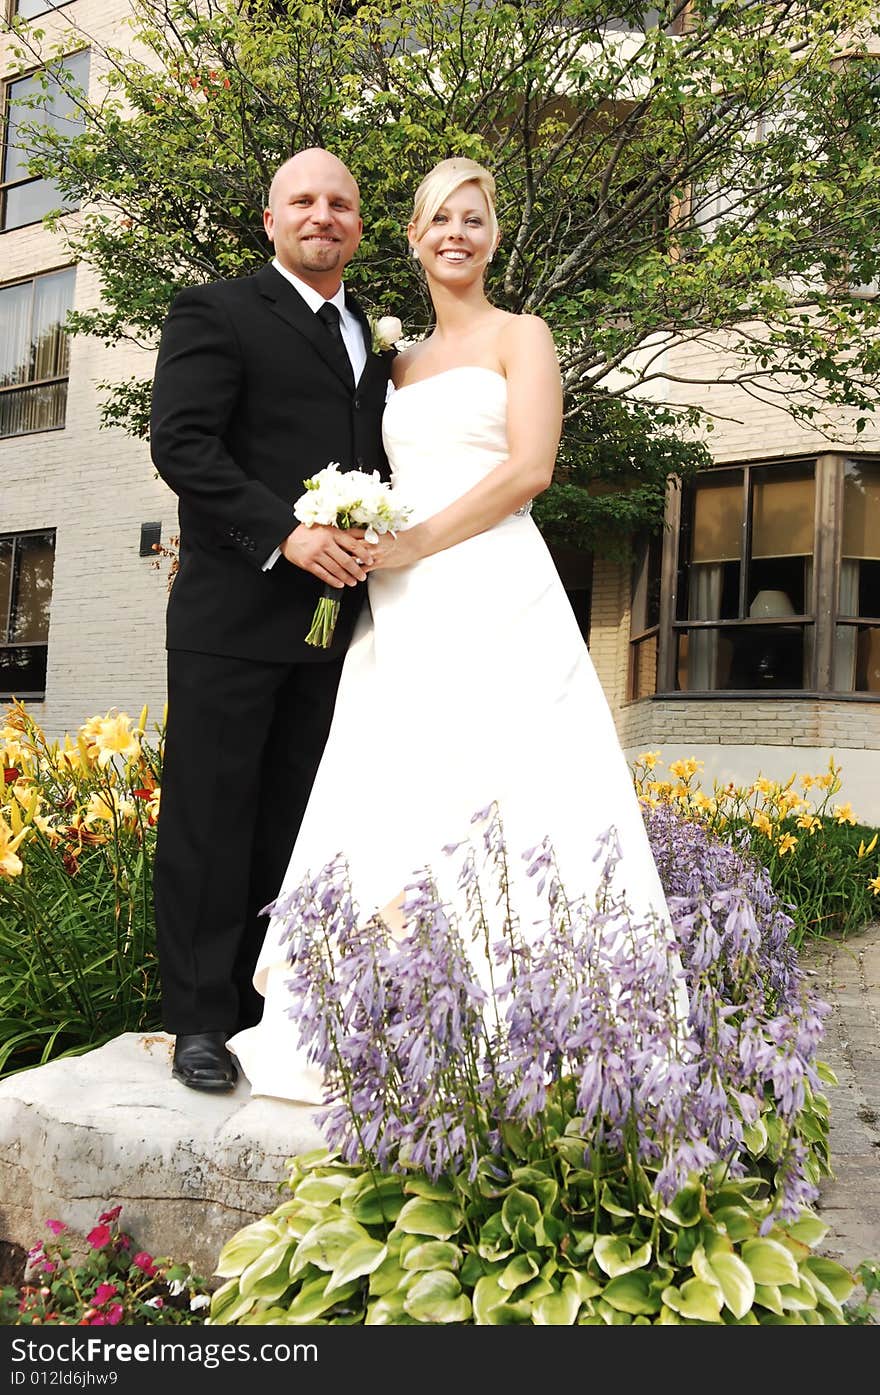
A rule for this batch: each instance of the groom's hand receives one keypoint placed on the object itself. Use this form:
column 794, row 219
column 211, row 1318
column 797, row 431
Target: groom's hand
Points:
column 337, row 556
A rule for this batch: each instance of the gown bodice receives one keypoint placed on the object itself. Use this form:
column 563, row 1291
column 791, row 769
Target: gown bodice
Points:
column 443, row 434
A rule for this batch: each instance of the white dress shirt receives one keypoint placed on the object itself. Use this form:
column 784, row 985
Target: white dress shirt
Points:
column 352, row 334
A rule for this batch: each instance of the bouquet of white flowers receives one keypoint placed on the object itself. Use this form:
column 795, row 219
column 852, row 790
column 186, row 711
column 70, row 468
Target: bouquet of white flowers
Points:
column 345, row 499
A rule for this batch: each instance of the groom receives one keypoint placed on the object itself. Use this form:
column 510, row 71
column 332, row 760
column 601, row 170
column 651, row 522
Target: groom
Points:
column 260, row 382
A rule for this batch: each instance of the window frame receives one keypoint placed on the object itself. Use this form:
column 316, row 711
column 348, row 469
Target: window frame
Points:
column 25, row 695
column 12, row 10
column 823, row 614
column 37, row 382
column 6, row 84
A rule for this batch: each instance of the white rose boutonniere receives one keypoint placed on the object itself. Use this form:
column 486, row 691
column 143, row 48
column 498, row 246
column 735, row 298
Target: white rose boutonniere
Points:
column 386, row 333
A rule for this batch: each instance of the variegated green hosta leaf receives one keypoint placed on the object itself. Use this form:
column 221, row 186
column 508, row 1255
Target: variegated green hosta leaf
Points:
column 519, row 1208
column 322, row 1189
column 295, row 1218
column 437, row 1297
column 261, row 1317
column 359, row 1259
column 738, row 1222
column 832, row 1283
column 494, row 1241
column 420, row 1216
column 433, row 1254
column 556, row 1309
column 520, row 1269
column 269, row 1274
column 615, row 1255
column 633, row 1292
column 326, row 1243
column 687, row 1206
column 694, row 1299
column 611, row 1203
column 439, row 1190
column 228, row 1305
column 388, row 1311
column 770, row 1262
column 728, row 1273
column 768, row 1296
column 798, row 1297
column 246, row 1246
column 314, row 1299
column 755, row 1137
column 808, row 1228
column 488, row 1294
column 373, row 1200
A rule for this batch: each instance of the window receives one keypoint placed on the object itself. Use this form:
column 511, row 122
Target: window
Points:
column 26, row 567
column 29, row 9
column 645, row 624
column 857, row 643
column 34, row 352
column 746, row 560
column 27, row 198
column 767, row 579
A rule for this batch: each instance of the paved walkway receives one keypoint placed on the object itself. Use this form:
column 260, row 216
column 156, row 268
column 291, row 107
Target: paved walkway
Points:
column 846, row 973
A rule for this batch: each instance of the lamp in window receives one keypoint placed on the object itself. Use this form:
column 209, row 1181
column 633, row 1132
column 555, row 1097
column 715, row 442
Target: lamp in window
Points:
column 771, row 605
column 773, row 654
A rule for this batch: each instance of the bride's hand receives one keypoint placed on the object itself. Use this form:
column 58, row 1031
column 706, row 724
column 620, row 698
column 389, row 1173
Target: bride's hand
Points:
column 391, row 551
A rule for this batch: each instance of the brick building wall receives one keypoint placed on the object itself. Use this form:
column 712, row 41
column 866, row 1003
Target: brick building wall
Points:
column 94, row 486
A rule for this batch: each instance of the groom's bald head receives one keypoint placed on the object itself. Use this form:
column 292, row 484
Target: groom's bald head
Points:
column 312, row 217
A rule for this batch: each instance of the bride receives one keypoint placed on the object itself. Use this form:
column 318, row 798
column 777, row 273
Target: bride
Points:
column 467, row 684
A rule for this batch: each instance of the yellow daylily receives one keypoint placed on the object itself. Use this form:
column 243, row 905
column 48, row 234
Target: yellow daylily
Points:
column 865, row 851
column 763, row 824
column 786, row 843
column 810, row 822
column 649, row 759
column 10, row 863
column 113, row 736
column 843, row 813
column 684, row 769
column 108, row 807
column 874, row 884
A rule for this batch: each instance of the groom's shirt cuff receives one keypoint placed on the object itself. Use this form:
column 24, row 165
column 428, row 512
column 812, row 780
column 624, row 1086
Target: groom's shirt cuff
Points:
column 270, row 561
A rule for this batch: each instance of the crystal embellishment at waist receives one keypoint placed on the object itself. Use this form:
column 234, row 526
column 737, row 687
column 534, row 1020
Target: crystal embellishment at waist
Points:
column 526, row 509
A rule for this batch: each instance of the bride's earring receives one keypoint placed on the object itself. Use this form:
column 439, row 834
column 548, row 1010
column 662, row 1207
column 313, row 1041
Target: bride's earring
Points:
column 414, row 253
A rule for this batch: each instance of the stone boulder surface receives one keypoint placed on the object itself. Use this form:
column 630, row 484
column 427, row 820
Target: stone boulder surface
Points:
column 112, row 1127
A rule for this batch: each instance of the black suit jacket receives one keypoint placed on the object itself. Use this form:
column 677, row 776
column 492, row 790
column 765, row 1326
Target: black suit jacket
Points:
column 247, row 404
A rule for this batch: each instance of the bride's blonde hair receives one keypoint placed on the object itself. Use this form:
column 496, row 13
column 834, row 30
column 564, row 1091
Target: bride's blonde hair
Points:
column 442, row 181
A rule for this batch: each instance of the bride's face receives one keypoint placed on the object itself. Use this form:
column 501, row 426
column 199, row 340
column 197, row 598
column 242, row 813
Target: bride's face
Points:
column 459, row 241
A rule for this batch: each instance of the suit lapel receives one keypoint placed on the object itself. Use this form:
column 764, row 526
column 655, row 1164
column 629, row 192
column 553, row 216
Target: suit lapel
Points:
column 374, row 362
column 286, row 302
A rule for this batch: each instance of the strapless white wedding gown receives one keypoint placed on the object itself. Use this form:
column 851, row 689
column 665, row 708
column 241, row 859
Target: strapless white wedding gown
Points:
column 467, row 681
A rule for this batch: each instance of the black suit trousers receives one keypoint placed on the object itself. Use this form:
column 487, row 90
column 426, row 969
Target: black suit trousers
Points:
column 242, row 745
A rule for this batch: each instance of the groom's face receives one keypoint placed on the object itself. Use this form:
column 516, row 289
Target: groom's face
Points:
column 313, row 218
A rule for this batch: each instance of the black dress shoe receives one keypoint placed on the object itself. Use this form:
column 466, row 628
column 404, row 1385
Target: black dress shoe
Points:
column 202, row 1062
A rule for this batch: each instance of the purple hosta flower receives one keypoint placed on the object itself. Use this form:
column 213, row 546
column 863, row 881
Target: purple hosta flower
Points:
column 422, row 1068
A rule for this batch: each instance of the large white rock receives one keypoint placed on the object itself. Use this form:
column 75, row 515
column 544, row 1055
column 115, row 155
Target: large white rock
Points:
column 112, row 1127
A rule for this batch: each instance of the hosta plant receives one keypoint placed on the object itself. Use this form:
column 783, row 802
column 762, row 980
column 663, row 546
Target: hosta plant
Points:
column 550, row 1242
column 571, row 1152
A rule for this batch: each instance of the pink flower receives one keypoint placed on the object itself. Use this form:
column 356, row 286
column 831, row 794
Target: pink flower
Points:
column 103, row 1294
column 145, row 1262
column 114, row 1315
column 123, row 1241
column 56, row 1227
column 98, row 1237
column 47, row 1267
column 112, row 1215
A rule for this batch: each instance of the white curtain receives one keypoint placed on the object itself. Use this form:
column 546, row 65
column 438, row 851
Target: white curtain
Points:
column 704, row 603
column 846, row 637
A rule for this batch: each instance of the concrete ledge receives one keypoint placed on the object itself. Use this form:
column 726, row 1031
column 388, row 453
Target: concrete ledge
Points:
column 112, row 1127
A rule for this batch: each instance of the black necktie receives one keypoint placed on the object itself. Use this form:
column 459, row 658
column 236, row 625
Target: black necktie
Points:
column 329, row 317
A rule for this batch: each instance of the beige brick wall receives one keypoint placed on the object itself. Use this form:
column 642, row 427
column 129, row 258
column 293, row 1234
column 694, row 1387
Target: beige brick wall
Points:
column 95, row 487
